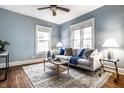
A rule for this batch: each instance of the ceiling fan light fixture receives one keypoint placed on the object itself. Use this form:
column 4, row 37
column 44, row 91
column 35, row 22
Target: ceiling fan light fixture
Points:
column 53, row 7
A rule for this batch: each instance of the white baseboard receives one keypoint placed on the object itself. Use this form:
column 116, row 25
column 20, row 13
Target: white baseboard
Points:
column 120, row 70
column 18, row 63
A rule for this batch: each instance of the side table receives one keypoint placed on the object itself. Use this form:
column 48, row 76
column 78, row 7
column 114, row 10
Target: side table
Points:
column 6, row 56
column 115, row 61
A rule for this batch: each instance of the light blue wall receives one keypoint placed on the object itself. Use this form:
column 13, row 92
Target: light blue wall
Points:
column 109, row 23
column 19, row 30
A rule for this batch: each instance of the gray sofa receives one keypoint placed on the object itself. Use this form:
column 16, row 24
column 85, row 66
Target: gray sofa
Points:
column 91, row 63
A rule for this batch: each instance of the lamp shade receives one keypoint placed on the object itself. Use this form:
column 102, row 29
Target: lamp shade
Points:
column 110, row 43
column 59, row 44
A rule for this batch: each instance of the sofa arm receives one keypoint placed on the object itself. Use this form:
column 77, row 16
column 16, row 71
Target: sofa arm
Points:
column 94, row 61
column 55, row 52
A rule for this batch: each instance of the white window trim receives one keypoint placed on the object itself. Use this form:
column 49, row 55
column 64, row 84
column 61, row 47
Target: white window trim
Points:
column 92, row 20
column 36, row 47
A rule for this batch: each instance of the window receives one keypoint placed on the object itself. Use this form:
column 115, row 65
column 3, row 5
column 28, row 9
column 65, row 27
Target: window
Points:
column 83, row 34
column 43, row 39
column 76, row 39
column 87, row 37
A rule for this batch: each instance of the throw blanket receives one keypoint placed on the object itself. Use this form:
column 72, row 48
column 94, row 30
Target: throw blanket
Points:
column 73, row 60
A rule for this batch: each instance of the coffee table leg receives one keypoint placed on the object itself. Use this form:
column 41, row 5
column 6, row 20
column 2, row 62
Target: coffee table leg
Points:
column 68, row 69
column 44, row 65
column 58, row 70
column 102, row 67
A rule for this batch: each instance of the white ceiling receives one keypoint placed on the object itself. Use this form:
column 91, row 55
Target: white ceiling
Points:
column 61, row 17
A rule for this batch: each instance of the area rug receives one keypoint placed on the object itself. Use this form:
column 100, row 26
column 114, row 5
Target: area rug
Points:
column 78, row 78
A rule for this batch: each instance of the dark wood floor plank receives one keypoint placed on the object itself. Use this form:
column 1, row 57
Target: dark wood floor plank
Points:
column 18, row 79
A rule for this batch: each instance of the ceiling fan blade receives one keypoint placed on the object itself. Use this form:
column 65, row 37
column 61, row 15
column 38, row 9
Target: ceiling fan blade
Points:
column 43, row 8
column 63, row 9
column 54, row 13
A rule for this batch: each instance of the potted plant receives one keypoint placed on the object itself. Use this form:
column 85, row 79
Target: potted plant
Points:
column 3, row 45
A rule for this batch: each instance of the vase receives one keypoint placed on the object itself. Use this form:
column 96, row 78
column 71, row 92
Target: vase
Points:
column 2, row 49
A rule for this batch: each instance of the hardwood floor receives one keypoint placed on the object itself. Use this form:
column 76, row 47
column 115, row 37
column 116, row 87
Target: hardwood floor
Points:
column 18, row 79
column 111, row 84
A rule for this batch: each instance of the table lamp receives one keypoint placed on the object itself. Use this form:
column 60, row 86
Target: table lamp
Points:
column 59, row 45
column 110, row 43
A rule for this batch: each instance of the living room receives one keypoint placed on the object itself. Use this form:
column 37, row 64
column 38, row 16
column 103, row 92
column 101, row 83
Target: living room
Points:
column 32, row 36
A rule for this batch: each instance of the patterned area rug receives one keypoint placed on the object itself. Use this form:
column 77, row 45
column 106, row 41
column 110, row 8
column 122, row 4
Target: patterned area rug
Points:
column 78, row 78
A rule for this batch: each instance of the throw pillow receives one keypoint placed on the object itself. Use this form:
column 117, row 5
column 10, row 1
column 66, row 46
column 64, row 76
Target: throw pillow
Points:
column 68, row 52
column 81, row 53
column 62, row 51
column 78, row 51
column 74, row 52
column 94, row 53
column 87, row 53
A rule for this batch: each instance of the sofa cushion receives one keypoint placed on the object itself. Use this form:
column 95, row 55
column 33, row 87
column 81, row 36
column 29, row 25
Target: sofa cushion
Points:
column 68, row 52
column 62, row 57
column 62, row 50
column 83, row 62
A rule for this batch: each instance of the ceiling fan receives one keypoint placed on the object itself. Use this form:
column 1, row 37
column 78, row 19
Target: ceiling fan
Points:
column 54, row 8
